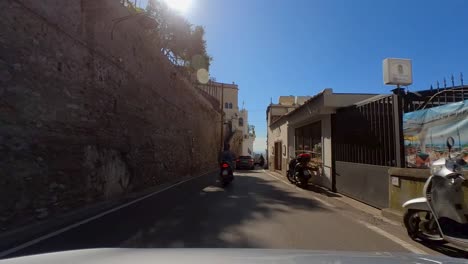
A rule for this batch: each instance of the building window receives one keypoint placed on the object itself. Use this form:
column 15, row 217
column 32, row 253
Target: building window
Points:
column 226, row 105
column 230, row 105
column 241, row 121
column 308, row 139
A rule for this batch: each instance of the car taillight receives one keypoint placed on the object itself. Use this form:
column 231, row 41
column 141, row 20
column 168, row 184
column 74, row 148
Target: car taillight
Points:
column 225, row 165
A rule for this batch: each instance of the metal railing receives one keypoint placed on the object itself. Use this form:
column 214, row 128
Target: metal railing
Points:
column 424, row 99
column 366, row 133
column 372, row 132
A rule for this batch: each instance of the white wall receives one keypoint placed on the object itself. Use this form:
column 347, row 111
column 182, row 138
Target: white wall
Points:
column 248, row 141
column 248, row 144
column 286, row 100
column 244, row 115
column 300, row 100
column 279, row 133
column 326, row 179
column 230, row 96
column 277, row 111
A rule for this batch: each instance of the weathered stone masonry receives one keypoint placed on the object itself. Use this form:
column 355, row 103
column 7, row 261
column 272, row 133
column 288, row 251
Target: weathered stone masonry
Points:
column 90, row 109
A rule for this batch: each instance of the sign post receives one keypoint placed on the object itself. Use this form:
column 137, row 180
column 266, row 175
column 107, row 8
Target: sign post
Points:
column 398, row 72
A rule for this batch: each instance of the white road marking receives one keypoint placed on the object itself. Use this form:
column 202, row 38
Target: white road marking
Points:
column 431, row 260
column 212, row 188
column 289, row 184
column 395, row 239
column 64, row 229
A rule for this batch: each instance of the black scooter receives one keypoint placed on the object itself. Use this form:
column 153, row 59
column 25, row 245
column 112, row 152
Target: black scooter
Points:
column 226, row 173
column 299, row 172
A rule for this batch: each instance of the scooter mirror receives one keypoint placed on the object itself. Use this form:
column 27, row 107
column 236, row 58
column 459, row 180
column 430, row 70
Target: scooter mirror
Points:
column 450, row 142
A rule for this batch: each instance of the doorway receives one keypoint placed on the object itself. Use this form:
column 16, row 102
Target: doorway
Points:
column 278, row 155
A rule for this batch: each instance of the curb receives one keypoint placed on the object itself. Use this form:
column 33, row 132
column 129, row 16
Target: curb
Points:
column 392, row 214
column 17, row 236
column 389, row 215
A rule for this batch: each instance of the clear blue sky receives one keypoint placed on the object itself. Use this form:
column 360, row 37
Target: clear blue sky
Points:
column 299, row 47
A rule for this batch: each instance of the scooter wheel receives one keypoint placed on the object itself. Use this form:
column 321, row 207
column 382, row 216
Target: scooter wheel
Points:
column 290, row 177
column 411, row 223
column 412, row 219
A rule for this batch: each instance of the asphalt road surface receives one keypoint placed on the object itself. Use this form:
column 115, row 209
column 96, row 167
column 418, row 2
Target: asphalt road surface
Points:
column 257, row 210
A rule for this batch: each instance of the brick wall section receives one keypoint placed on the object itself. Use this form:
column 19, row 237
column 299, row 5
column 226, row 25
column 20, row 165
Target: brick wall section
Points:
column 86, row 115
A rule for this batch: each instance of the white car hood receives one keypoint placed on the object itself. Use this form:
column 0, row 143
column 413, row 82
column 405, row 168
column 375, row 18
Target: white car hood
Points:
column 229, row 256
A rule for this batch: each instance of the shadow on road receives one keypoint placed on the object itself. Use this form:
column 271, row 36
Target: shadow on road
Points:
column 197, row 214
column 320, row 190
column 214, row 218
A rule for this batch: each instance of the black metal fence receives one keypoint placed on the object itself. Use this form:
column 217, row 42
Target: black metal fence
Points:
column 371, row 132
column 424, row 99
column 368, row 140
column 365, row 133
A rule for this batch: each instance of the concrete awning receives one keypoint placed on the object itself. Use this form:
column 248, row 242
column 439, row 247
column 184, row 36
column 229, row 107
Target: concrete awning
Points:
column 324, row 103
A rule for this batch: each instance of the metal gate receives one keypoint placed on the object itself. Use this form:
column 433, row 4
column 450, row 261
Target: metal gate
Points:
column 368, row 133
column 366, row 142
column 368, row 139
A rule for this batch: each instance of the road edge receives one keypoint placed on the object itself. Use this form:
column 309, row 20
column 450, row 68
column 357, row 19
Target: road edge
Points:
column 24, row 237
column 374, row 212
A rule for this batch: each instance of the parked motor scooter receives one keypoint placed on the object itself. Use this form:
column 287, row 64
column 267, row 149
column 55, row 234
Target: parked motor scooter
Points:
column 299, row 172
column 439, row 216
column 226, row 173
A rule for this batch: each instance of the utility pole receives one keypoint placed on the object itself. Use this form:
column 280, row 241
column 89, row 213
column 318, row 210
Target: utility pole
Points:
column 222, row 116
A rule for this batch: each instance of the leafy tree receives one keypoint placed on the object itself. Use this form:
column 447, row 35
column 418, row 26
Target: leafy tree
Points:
column 183, row 43
column 197, row 53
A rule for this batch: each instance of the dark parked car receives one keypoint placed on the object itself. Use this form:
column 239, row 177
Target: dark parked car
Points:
column 245, row 162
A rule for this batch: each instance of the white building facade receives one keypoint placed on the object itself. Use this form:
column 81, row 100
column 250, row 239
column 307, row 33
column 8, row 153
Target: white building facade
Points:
column 305, row 126
column 248, row 132
column 240, row 135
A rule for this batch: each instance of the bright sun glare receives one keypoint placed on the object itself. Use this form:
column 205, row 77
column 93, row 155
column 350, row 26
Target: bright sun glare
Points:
column 179, row 5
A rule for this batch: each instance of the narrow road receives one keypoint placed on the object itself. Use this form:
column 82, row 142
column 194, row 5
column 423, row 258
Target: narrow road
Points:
column 256, row 211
